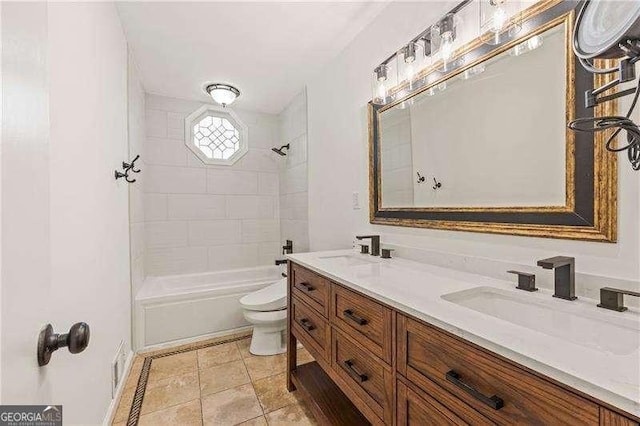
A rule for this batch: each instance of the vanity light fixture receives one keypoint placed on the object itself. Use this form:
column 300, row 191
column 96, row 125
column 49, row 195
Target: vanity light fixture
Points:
column 408, row 64
column 379, row 84
column 436, row 42
column 222, row 94
column 440, row 87
column 443, row 39
column 610, row 30
column 500, row 20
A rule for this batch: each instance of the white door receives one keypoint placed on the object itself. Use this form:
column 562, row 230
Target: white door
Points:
column 65, row 238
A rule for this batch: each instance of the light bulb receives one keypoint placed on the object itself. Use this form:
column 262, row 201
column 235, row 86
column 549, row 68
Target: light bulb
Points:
column 446, row 48
column 498, row 19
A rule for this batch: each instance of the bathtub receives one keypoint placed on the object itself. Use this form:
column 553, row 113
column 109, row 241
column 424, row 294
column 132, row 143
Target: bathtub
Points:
column 180, row 308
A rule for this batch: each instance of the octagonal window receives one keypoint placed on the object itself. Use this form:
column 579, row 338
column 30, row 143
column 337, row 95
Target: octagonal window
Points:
column 216, row 136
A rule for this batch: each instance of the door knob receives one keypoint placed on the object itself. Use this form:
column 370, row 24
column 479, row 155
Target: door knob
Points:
column 77, row 340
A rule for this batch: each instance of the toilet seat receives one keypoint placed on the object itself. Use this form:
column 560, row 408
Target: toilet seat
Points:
column 270, row 298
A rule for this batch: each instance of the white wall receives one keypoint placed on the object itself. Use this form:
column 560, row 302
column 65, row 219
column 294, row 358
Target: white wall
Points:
column 338, row 165
column 199, row 217
column 294, row 224
column 72, row 261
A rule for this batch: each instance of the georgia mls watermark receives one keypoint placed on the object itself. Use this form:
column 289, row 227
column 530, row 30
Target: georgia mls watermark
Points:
column 30, row 415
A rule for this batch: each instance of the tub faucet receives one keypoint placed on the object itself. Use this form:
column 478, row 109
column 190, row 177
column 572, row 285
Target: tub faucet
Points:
column 288, row 247
column 565, row 275
column 375, row 243
column 281, row 262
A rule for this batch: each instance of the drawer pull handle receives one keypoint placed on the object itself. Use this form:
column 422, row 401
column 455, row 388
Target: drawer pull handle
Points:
column 349, row 314
column 494, row 401
column 307, row 287
column 352, row 371
column 306, row 324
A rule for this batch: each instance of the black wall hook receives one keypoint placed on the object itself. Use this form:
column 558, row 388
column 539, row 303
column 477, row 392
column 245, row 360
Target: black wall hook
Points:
column 131, row 166
column 420, row 178
column 128, row 167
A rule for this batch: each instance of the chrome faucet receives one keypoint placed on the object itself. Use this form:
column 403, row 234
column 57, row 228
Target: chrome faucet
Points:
column 375, row 243
column 565, row 275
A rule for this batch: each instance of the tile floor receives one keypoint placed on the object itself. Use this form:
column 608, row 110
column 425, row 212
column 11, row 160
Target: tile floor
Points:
column 217, row 385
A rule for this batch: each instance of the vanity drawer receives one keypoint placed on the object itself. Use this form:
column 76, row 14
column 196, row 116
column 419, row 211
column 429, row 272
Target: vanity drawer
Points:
column 311, row 327
column 416, row 408
column 426, row 354
column 367, row 376
column 366, row 321
column 311, row 288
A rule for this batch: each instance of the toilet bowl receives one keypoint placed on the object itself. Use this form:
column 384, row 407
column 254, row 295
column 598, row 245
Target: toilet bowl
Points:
column 266, row 310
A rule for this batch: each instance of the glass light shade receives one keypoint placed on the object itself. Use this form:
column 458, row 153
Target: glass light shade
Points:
column 380, row 85
column 500, row 20
column 411, row 61
column 444, row 42
column 222, row 94
column 526, row 46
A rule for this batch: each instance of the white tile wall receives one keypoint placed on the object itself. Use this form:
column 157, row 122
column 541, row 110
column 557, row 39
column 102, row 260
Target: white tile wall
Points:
column 214, row 232
column 294, row 175
column 196, row 207
column 205, row 218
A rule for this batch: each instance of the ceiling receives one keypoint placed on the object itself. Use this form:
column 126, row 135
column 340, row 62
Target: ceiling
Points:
column 268, row 50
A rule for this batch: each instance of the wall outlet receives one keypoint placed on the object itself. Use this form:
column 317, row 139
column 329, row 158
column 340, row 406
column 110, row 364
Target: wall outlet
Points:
column 355, row 200
column 117, row 368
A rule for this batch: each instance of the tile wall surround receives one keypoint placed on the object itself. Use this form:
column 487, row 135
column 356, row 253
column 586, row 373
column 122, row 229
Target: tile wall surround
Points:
column 200, row 218
column 294, row 210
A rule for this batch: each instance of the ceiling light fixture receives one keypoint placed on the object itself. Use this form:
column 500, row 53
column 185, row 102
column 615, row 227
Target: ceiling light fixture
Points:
column 610, row 30
column 222, row 94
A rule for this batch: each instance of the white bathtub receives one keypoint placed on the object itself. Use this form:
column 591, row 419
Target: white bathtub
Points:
column 185, row 307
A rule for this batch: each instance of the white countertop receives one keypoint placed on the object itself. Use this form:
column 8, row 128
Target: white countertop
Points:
column 612, row 376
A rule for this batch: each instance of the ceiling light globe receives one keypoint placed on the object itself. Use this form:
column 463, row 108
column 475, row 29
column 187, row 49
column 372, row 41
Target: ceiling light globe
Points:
column 222, row 94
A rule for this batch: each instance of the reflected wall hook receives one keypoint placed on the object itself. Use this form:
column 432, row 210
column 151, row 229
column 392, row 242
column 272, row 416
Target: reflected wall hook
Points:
column 420, row 178
column 77, row 340
column 436, row 184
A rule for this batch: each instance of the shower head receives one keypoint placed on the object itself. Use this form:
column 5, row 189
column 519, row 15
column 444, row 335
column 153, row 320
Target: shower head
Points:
column 280, row 151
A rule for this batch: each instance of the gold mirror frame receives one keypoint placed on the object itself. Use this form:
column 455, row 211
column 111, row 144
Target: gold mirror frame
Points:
column 601, row 222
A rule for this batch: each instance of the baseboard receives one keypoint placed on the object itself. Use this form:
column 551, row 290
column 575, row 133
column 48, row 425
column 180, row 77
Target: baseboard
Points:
column 113, row 406
column 192, row 339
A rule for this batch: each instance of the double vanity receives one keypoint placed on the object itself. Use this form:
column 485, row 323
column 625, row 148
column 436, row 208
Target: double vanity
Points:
column 401, row 342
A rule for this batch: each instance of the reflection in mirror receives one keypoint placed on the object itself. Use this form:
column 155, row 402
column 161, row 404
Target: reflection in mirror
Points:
column 492, row 136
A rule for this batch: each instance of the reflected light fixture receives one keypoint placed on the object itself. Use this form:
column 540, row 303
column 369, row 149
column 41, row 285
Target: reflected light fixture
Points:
column 478, row 69
column 222, row 94
column 526, row 46
column 610, row 30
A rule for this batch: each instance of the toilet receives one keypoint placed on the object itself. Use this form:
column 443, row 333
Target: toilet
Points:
column 266, row 310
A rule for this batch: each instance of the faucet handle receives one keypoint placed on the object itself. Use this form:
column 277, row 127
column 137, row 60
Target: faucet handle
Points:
column 364, row 248
column 612, row 298
column 526, row 281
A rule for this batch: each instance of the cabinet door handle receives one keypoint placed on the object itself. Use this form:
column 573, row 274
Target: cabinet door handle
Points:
column 494, row 401
column 348, row 313
column 307, row 287
column 306, row 324
column 355, row 373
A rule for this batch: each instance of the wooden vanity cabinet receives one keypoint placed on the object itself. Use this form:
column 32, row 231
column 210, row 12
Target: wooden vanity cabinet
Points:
column 384, row 367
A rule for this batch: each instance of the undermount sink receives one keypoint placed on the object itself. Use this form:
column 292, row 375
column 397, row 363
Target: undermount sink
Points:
column 594, row 329
column 347, row 260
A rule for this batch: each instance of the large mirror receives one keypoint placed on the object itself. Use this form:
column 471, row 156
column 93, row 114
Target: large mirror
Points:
column 486, row 148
